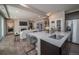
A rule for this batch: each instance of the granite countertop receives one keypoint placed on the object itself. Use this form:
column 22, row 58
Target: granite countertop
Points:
column 46, row 37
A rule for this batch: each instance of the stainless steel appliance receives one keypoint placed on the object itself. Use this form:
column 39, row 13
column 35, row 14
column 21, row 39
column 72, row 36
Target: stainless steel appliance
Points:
column 74, row 25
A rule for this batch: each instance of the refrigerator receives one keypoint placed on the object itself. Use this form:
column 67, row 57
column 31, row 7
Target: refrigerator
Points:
column 74, row 25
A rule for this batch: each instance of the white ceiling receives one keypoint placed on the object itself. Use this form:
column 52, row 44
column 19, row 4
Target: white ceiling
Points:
column 55, row 7
column 18, row 11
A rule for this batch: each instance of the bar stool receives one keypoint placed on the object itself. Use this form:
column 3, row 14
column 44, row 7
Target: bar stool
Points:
column 33, row 41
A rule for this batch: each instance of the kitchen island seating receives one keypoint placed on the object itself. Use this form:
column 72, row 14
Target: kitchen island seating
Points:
column 32, row 40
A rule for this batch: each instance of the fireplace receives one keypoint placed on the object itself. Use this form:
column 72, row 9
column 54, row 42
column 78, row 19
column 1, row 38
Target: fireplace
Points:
column 10, row 29
column 10, row 26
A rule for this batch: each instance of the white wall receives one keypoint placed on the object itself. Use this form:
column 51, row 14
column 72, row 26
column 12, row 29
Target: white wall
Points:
column 58, row 16
column 18, row 28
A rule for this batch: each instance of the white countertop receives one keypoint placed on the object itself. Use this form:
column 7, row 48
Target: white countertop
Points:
column 45, row 36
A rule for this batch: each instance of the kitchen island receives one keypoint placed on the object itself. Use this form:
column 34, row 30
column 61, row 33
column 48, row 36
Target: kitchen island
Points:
column 44, row 37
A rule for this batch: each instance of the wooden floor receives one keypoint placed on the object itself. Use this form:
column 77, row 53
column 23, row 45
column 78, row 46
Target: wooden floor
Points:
column 74, row 49
column 8, row 46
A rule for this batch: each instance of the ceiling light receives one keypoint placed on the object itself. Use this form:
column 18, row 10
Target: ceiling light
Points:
column 49, row 14
column 16, row 11
column 39, row 16
column 24, row 5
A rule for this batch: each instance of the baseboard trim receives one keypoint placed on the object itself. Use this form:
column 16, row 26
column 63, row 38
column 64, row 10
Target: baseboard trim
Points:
column 74, row 43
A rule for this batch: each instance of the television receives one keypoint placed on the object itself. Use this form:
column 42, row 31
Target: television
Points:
column 23, row 23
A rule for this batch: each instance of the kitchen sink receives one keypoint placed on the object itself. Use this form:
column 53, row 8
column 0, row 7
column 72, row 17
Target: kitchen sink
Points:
column 56, row 36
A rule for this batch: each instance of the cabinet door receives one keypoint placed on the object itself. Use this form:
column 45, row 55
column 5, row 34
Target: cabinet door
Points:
column 48, row 49
column 59, row 25
column 53, row 24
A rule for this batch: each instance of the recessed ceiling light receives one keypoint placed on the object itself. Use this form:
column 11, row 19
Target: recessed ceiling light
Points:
column 39, row 16
column 17, row 11
column 44, row 17
column 24, row 5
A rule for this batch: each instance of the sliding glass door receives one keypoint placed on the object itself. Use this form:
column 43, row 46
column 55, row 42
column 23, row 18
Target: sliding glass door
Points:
column 0, row 28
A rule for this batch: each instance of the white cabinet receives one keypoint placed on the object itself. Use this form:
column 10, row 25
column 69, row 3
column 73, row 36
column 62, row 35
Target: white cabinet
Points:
column 57, row 16
column 52, row 24
column 57, row 25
